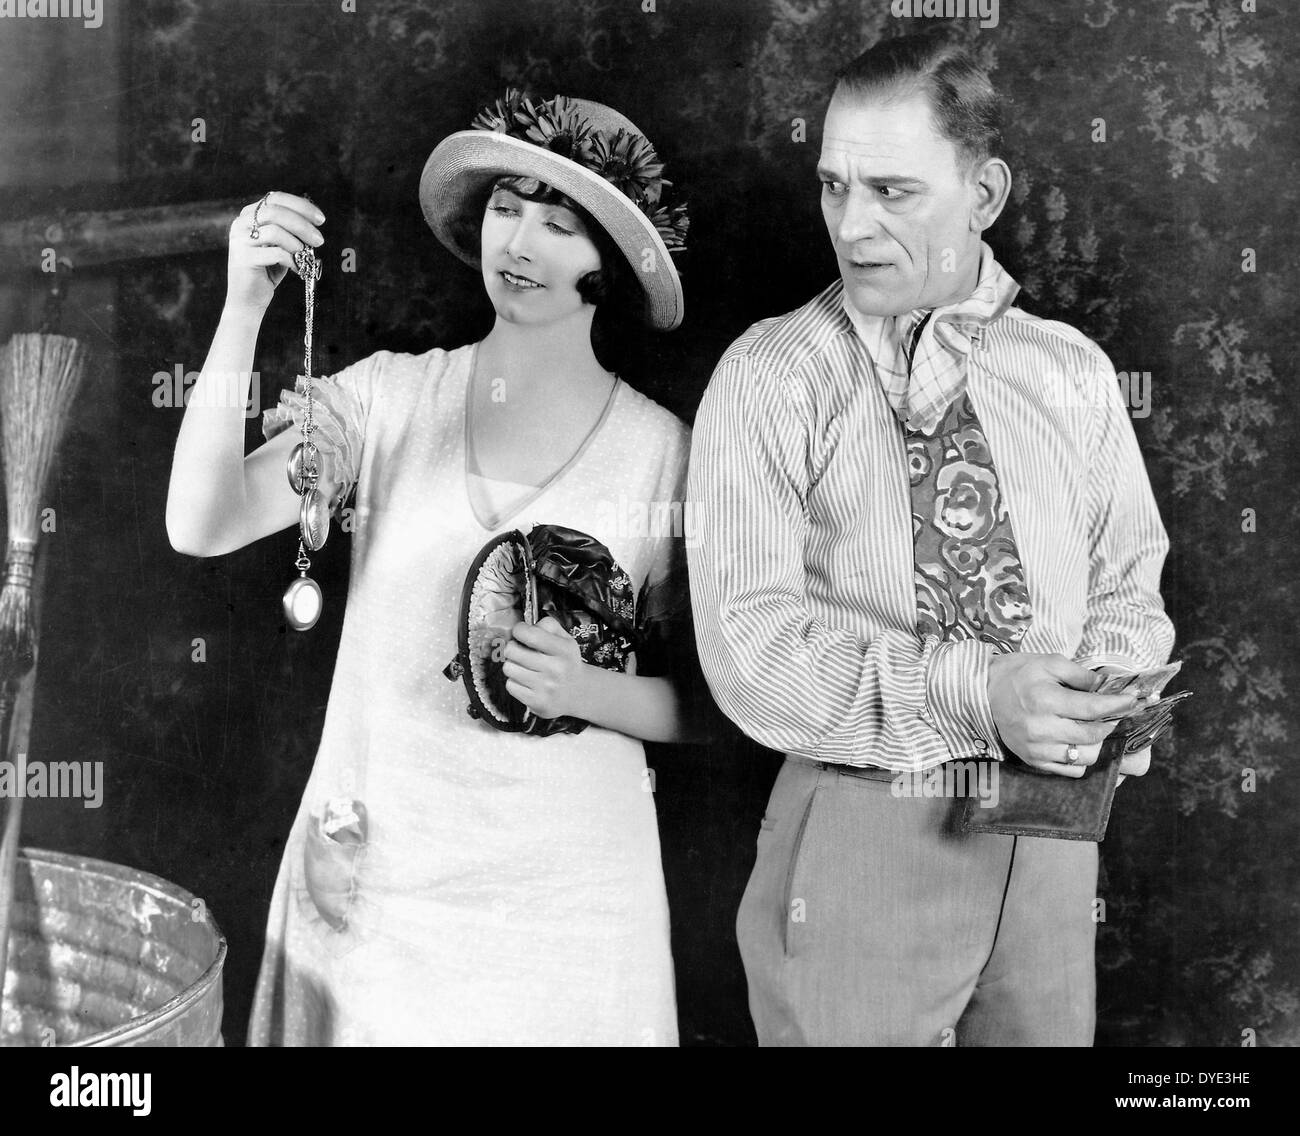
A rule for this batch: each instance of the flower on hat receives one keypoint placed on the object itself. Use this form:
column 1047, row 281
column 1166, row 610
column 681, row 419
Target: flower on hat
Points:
column 671, row 224
column 624, row 159
column 500, row 115
column 629, row 163
column 557, row 126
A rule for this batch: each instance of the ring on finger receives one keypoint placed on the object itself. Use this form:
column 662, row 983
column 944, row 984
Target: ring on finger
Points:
column 256, row 232
column 1071, row 754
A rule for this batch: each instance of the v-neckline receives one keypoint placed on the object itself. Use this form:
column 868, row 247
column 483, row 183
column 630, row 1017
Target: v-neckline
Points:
column 467, row 449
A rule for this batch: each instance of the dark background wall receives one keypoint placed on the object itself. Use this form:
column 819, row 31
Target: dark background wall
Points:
column 1137, row 239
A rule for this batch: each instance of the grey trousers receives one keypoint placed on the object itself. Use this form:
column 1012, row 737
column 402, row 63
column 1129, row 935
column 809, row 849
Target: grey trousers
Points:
column 870, row 919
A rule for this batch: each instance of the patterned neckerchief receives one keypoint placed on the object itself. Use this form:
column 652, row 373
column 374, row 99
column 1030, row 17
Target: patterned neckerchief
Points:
column 921, row 356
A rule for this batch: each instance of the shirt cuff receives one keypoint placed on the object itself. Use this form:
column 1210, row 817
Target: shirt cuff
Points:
column 957, row 698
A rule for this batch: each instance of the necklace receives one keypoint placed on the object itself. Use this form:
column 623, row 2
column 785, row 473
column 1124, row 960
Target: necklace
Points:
column 303, row 600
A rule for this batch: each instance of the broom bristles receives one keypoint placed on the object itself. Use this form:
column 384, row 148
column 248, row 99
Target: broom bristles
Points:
column 39, row 378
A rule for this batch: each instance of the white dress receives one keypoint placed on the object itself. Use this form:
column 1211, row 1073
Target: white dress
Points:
column 509, row 889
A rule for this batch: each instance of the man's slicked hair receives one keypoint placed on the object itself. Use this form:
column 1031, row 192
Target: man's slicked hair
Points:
column 966, row 108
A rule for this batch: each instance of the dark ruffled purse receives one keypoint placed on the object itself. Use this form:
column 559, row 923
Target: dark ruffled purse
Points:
column 552, row 571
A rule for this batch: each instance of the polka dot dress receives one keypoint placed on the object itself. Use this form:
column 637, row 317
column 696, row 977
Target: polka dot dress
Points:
column 445, row 883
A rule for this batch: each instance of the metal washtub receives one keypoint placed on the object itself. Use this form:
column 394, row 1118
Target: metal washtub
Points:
column 103, row 955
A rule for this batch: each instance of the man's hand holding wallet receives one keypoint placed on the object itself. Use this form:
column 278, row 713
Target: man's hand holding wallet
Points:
column 1065, row 723
column 1044, row 704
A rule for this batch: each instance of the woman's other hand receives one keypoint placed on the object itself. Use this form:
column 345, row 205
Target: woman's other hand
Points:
column 545, row 671
column 285, row 225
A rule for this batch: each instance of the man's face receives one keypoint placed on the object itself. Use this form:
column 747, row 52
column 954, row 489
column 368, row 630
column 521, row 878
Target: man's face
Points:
column 898, row 205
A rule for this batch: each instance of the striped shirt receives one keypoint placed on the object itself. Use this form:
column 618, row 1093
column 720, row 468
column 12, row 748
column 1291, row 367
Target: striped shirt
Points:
column 800, row 544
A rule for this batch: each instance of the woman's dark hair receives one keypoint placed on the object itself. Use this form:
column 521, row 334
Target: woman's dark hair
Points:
column 612, row 287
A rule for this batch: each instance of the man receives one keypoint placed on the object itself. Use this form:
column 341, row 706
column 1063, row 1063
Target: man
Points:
column 921, row 517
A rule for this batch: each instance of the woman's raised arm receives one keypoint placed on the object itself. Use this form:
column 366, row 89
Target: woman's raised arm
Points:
column 218, row 500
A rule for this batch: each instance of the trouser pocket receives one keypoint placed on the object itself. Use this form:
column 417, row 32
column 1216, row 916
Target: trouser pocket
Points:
column 794, row 899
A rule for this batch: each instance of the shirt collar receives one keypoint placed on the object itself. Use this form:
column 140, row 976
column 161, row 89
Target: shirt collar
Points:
column 886, row 339
column 891, row 341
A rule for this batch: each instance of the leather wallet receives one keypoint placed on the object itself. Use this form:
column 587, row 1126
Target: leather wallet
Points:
column 1030, row 803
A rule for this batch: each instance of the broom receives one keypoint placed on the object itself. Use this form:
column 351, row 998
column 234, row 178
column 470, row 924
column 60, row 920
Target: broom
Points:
column 39, row 377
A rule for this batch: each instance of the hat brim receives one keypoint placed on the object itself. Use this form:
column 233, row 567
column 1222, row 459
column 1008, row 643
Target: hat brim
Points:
column 463, row 164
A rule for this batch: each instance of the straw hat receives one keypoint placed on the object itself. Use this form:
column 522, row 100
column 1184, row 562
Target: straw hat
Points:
column 588, row 152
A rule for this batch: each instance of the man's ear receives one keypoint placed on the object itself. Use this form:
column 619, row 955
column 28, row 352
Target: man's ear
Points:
column 992, row 187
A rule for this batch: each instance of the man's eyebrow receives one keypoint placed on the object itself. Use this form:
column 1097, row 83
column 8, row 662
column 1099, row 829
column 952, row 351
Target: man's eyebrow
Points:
column 896, row 181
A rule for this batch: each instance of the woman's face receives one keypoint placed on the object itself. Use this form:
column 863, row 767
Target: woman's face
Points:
column 533, row 257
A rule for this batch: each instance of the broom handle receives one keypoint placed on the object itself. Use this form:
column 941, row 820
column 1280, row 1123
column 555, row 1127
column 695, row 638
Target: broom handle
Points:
column 111, row 236
column 15, row 733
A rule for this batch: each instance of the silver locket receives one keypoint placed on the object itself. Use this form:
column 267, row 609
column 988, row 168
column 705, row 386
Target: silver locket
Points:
column 301, row 466
column 303, row 603
column 314, row 519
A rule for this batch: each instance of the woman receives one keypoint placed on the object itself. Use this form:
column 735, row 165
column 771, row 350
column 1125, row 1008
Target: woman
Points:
column 446, row 883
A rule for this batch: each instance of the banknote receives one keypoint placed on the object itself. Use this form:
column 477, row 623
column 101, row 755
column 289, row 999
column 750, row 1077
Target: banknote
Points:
column 1147, row 684
column 1148, row 712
